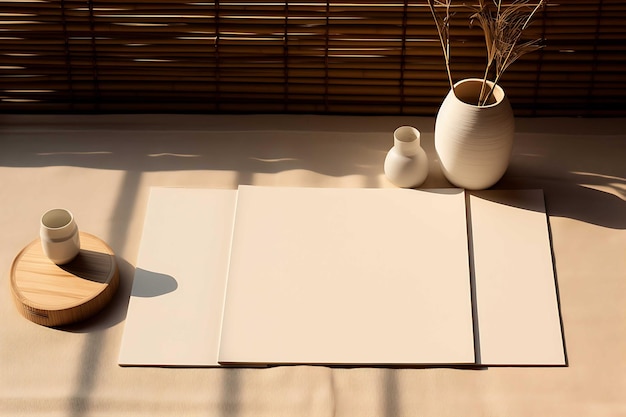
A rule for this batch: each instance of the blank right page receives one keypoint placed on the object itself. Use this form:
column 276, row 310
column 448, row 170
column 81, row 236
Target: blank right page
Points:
column 517, row 314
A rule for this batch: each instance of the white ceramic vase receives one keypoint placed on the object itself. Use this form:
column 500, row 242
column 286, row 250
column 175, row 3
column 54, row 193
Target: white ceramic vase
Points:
column 60, row 239
column 474, row 142
column 406, row 163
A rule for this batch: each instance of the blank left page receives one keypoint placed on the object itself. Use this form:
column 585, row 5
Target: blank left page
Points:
column 175, row 310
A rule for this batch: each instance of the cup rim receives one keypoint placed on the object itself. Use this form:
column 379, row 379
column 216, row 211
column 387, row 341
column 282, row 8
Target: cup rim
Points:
column 51, row 212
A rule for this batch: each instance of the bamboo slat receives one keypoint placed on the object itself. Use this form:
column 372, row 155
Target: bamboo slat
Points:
column 296, row 56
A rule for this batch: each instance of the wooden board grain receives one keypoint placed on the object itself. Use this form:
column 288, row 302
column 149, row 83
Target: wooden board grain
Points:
column 53, row 295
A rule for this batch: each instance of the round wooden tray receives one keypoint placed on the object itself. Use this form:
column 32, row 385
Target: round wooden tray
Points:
column 52, row 295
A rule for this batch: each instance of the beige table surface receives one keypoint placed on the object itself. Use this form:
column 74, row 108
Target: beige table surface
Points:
column 101, row 168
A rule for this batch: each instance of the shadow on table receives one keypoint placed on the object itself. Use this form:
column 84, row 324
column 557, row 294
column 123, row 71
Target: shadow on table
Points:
column 583, row 175
column 115, row 311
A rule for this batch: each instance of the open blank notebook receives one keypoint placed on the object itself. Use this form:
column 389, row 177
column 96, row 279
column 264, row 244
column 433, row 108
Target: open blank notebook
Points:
column 286, row 275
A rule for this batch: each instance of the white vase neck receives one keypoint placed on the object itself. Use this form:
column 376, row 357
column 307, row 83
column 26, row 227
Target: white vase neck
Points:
column 406, row 139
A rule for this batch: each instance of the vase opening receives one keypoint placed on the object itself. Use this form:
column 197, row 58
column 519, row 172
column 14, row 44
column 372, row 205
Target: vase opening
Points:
column 468, row 91
column 406, row 134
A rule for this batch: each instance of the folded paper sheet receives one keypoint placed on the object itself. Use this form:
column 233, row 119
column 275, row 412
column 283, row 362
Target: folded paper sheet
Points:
column 175, row 309
column 348, row 276
column 343, row 276
column 516, row 300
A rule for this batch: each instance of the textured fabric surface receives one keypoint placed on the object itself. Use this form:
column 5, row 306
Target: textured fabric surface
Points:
column 101, row 168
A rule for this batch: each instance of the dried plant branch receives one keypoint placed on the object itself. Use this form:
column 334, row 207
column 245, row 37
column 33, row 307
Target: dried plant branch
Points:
column 443, row 30
column 485, row 20
column 503, row 26
column 507, row 28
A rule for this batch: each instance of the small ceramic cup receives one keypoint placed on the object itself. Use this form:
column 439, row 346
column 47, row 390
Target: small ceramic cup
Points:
column 59, row 236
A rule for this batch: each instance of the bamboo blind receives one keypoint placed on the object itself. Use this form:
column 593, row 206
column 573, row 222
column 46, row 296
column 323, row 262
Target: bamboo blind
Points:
column 302, row 56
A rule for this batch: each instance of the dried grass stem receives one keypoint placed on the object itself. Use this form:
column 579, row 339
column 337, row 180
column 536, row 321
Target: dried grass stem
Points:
column 503, row 26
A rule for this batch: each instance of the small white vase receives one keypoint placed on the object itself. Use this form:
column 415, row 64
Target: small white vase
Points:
column 474, row 142
column 406, row 163
column 59, row 235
